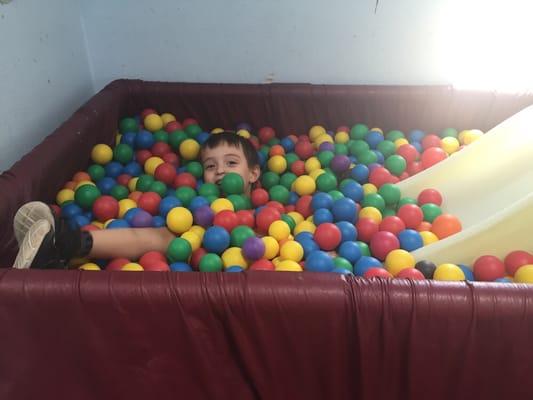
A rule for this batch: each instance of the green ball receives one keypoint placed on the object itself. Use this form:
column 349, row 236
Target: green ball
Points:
column 394, row 135
column 365, row 251
column 373, row 200
column 358, row 131
column 86, row 195
column 265, row 150
column 120, row 192
column 96, row 172
column 341, row 262
column 232, row 183
column 326, row 182
column 239, row 234
column 274, row 141
column 269, row 179
column 431, row 211
column 209, row 189
column 344, row 182
column 158, row 187
column 160, row 136
column 195, row 169
column 390, row 193
column 128, row 125
column 387, row 148
column 238, row 201
column 287, row 179
column 367, row 158
column 341, row 149
column 396, row 164
column 325, row 158
column 289, row 221
column 211, row 198
column 279, row 193
column 144, row 182
column 192, row 130
column 388, row 212
column 178, row 250
column 123, row 153
column 359, row 147
column 291, row 158
column 335, row 194
column 406, row 200
column 175, row 138
column 210, row 263
column 449, row 132
column 185, row 194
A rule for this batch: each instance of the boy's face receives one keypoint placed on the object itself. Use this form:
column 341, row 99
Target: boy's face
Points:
column 224, row 158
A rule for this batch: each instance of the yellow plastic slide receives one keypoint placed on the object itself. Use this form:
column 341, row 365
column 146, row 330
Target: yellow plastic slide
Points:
column 489, row 186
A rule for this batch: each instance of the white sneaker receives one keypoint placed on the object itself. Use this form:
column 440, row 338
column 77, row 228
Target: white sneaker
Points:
column 27, row 215
column 31, row 243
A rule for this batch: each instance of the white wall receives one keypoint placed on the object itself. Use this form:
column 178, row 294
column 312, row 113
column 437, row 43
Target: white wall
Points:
column 44, row 72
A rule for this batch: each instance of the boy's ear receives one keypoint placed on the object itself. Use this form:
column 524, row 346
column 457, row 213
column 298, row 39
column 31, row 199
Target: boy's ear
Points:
column 255, row 172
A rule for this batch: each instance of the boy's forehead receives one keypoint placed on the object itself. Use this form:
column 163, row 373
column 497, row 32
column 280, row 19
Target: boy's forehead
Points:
column 221, row 150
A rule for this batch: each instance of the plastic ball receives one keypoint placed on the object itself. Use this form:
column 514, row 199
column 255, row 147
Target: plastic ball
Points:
column 226, row 219
column 101, row 154
column 448, row 272
column 429, row 196
column 240, row 234
column 277, row 164
column 179, row 249
column 430, row 211
column 427, row 268
column 365, row 263
column 392, row 224
column 221, row 204
column 262, row 265
column 350, row 251
column 516, row 259
column 348, row 231
column 376, row 272
column 445, row 225
column 189, row 149
column 180, row 267
column 216, row 239
column 410, row 240
column 397, row 260
column 411, row 215
column 253, row 248
column 319, row 261
column 141, row 219
column 372, row 213
column 149, row 202
column 366, row 229
column 450, row 145
column 179, row 220
column 410, row 273
column 279, row 230
column 432, row 156
column 210, row 263
column 233, row 256
column 132, row 266
column 344, row 209
column 232, row 183
column 488, row 268
column 105, row 208
column 266, row 217
column 153, row 122
column 292, row 250
column 86, row 195
column 524, row 274
column 326, row 182
column 151, row 164
column 304, row 185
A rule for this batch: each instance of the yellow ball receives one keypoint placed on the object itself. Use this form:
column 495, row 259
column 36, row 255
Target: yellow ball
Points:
column 98, row 224
column 132, row 184
column 189, row 149
column 277, row 164
column 428, row 237
column 342, row 137
column 198, row 230
column 221, row 204
column 398, row 260
column 448, row 272
column 304, row 185
column 471, row 136
column 194, row 240
column 291, row 250
column 217, row 130
column 369, row 188
column 449, row 144
column 124, row 205
column 167, row 117
column 288, row 266
column 276, row 261
column 316, row 131
column 118, row 138
column 132, row 266
column 279, row 230
column 304, row 226
column 64, row 195
column 89, row 267
column 321, row 139
column 461, row 135
column 524, row 274
column 400, row 142
column 312, row 164
column 371, row 212
column 108, row 222
column 153, row 122
column 152, row 163
column 271, row 247
column 179, row 220
column 296, row 216
column 233, row 256
column 82, row 183
column 377, row 130
column 101, row 154
column 244, row 133
column 316, row 173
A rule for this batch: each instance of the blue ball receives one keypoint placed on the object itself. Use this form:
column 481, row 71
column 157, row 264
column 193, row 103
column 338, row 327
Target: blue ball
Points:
column 416, row 135
column 303, row 235
column 373, row 138
column 144, row 140
column 287, row 144
column 70, row 210
column 418, row 146
column 158, row 221
column 344, row 209
column 216, row 239
column 89, row 215
column 234, row 268
column 503, row 280
column 118, row 223
column 133, row 168
column 410, row 240
column 308, row 245
column 293, row 197
column 128, row 215
column 360, row 173
column 167, row 204
column 180, row 267
column 113, row 169
column 365, row 263
column 128, row 138
column 262, row 158
column 319, row 261
column 350, row 251
column 202, row 137
column 106, row 184
column 77, row 221
column 348, row 231
column 322, row 215
column 469, row 275
column 342, row 271
column 321, row 200
column 380, row 157
column 353, row 190
column 197, row 202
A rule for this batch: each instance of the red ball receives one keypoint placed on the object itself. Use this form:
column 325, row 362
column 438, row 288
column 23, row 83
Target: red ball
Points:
column 429, row 196
column 123, row 179
column 116, row 264
column 304, row 149
column 105, row 208
column 408, row 152
column 432, row 156
column 488, row 268
column 303, row 205
column 55, row 209
column 171, row 158
column 403, row 176
column 430, row 141
column 146, row 112
column 165, row 173
column 259, row 197
column 343, row 128
column 289, row 208
column 227, row 219
column 262, row 265
column 414, row 168
column 149, row 201
column 366, row 228
column 411, row 273
column 89, row 227
column 377, row 272
column 173, row 126
column 246, row 217
column 392, row 224
column 142, row 155
column 189, row 121
column 516, row 259
column 328, row 236
column 411, row 215
column 184, row 179
column 154, row 261
column 298, row 168
column 159, row 149
column 265, row 217
column 266, row 133
column 379, row 176
column 160, row 266
column 196, row 257
column 277, row 205
column 382, row 243
column 255, row 142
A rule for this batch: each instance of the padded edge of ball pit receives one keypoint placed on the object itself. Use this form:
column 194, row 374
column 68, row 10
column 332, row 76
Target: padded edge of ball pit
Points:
column 289, row 108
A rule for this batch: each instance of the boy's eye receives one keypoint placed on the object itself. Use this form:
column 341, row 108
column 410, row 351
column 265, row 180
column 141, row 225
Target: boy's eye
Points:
column 210, row 166
column 232, row 163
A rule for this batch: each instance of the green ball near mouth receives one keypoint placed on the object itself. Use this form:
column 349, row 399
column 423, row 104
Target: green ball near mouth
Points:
column 232, row 183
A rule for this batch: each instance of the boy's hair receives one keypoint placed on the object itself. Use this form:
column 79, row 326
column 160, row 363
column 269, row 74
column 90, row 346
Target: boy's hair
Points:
column 234, row 140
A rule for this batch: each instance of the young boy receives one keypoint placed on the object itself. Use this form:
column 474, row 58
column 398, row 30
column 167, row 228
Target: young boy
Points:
column 45, row 241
